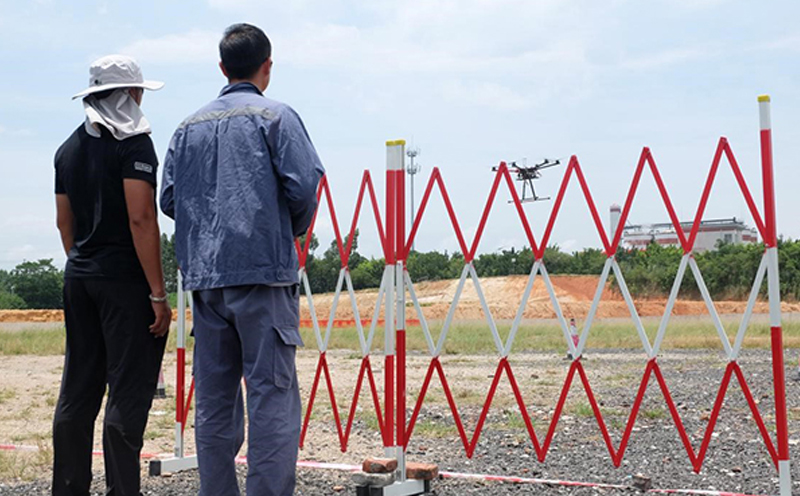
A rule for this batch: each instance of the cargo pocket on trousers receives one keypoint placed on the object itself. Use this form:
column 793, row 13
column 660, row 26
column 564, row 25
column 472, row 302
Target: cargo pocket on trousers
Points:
column 285, row 347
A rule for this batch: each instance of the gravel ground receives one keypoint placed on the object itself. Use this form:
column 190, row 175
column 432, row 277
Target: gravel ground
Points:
column 315, row 483
column 736, row 459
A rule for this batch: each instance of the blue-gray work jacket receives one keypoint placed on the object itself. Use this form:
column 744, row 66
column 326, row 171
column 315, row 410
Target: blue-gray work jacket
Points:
column 240, row 180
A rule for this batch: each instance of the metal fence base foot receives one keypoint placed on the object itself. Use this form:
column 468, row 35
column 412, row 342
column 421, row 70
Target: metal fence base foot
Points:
column 411, row 487
column 169, row 465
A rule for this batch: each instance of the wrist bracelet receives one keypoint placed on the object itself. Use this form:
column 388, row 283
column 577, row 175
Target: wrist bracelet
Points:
column 158, row 299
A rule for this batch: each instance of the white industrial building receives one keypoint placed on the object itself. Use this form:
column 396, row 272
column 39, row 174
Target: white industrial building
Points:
column 710, row 233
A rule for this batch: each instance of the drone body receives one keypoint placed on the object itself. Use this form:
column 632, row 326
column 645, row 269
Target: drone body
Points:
column 527, row 175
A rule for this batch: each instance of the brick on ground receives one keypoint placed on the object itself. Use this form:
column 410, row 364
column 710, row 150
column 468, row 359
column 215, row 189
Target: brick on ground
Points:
column 379, row 465
column 422, row 471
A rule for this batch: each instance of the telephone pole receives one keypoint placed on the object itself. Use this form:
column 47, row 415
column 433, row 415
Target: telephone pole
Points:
column 412, row 170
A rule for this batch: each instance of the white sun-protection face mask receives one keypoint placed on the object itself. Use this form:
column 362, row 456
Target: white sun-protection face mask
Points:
column 119, row 113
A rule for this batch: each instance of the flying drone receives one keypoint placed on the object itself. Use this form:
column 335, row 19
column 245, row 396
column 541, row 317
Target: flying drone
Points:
column 527, row 175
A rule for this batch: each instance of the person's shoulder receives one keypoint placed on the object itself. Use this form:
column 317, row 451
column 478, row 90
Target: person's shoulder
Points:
column 255, row 103
column 281, row 110
column 278, row 107
column 136, row 141
column 72, row 143
column 77, row 136
column 200, row 114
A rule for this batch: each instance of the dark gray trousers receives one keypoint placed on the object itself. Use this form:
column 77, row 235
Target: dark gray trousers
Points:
column 250, row 332
column 108, row 342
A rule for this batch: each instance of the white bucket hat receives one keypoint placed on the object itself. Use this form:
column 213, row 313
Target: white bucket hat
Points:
column 116, row 71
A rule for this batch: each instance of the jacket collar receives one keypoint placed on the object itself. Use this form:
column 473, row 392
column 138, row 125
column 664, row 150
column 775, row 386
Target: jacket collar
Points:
column 244, row 86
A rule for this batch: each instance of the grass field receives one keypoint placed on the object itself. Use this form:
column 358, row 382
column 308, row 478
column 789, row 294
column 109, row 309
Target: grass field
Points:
column 476, row 338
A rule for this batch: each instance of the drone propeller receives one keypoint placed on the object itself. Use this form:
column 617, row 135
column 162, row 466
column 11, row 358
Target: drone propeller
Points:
column 548, row 163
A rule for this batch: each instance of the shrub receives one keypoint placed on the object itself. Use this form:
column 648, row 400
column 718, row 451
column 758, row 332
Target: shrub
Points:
column 10, row 301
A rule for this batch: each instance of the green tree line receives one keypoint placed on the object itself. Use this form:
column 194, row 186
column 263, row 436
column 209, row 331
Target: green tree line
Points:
column 728, row 271
column 40, row 284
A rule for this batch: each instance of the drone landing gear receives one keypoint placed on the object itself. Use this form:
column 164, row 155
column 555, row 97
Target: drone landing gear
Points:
column 528, row 183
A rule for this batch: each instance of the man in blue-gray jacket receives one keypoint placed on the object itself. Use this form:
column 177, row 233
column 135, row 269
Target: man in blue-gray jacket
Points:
column 240, row 180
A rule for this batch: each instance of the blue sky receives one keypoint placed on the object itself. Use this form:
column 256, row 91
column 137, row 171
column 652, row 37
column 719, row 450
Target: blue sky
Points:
column 469, row 82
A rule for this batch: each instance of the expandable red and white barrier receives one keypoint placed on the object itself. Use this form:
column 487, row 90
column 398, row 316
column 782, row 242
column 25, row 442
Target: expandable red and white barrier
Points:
column 396, row 284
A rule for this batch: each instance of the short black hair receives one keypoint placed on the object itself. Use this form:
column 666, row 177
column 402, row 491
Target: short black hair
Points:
column 243, row 49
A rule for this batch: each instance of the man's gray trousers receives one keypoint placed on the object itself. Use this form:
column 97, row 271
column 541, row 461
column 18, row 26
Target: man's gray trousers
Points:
column 250, row 332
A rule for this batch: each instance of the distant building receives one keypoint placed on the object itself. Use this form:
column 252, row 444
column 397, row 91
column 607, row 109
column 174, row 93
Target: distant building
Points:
column 710, row 233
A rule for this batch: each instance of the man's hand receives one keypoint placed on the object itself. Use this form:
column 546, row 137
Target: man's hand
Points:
column 163, row 319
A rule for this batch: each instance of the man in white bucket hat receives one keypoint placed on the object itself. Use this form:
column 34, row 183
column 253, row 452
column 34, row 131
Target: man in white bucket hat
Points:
column 117, row 111
column 116, row 71
column 115, row 307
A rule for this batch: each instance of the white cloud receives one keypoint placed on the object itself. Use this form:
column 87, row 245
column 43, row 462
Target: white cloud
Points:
column 790, row 43
column 192, row 47
column 323, row 45
column 530, row 72
column 514, row 242
column 228, row 4
column 29, row 223
column 668, row 58
column 375, row 50
column 17, row 133
column 22, row 252
column 31, row 236
column 569, row 245
column 696, row 4
column 407, row 36
column 12, row 256
column 485, row 94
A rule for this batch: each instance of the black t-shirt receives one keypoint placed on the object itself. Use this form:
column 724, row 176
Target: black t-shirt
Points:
column 90, row 171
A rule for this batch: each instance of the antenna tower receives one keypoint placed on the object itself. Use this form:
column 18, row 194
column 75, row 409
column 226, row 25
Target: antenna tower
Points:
column 413, row 169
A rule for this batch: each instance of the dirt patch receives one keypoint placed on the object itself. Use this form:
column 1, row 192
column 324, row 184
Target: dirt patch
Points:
column 503, row 295
column 31, row 316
